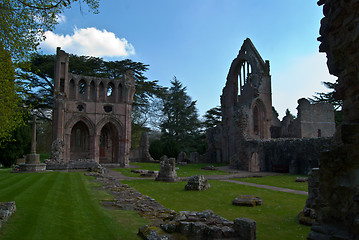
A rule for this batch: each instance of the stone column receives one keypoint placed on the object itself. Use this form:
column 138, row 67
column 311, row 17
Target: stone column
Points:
column 33, row 158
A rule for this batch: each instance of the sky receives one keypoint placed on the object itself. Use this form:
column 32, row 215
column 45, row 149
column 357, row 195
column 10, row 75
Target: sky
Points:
column 197, row 40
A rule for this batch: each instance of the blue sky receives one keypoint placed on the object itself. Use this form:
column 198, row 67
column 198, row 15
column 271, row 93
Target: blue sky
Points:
column 196, row 41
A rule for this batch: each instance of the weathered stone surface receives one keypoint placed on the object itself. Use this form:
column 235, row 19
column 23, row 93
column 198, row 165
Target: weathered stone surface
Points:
column 6, row 210
column 92, row 115
column 246, row 228
column 247, row 200
column 182, row 157
column 197, row 183
column 207, row 225
column 142, row 153
column 167, row 170
column 338, row 205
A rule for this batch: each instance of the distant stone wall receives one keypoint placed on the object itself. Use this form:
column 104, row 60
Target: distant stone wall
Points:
column 293, row 155
column 72, row 164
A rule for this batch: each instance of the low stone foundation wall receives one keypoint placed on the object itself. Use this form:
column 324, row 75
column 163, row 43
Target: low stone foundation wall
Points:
column 293, row 155
column 72, row 164
column 6, row 210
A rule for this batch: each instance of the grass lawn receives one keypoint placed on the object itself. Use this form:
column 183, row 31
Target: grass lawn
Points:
column 183, row 171
column 62, row 205
column 276, row 218
column 283, row 181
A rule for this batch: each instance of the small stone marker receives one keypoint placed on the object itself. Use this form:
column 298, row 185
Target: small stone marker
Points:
column 247, row 200
column 168, row 170
column 197, row 183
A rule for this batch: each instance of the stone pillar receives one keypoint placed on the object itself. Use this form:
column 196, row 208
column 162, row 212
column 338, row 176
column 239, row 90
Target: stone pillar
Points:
column 33, row 158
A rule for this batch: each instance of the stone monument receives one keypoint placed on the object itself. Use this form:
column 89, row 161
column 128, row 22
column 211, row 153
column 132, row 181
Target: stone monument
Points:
column 167, row 170
column 32, row 160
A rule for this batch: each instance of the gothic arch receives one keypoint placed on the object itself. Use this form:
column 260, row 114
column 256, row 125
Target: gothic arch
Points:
column 117, row 124
column 70, row 124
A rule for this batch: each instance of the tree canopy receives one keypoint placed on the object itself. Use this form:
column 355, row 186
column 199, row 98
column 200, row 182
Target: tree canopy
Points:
column 212, row 117
column 10, row 105
column 24, row 22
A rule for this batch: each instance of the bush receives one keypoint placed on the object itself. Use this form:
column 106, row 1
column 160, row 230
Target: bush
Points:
column 171, row 148
column 17, row 147
column 156, row 149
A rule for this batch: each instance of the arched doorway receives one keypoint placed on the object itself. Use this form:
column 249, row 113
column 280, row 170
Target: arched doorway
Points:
column 79, row 143
column 109, row 144
column 258, row 119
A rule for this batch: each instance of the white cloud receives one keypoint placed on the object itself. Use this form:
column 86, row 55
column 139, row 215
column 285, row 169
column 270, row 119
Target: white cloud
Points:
column 301, row 79
column 90, row 42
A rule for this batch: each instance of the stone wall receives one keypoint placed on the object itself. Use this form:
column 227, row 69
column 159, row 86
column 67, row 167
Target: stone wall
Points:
column 338, row 210
column 293, row 155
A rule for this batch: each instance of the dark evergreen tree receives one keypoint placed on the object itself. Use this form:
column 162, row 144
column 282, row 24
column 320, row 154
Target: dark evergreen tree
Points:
column 180, row 122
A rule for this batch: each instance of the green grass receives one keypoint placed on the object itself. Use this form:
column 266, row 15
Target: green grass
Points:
column 62, row 205
column 183, row 171
column 283, row 181
column 276, row 218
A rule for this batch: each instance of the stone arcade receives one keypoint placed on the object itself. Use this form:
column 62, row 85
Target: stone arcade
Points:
column 91, row 116
column 251, row 137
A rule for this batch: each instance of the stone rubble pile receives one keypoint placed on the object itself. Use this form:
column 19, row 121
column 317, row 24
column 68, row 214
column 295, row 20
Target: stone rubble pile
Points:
column 6, row 210
column 197, row 183
column 201, row 226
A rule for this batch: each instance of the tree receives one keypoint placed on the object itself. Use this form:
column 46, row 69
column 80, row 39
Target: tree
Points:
column 11, row 114
column 329, row 97
column 180, row 121
column 22, row 27
column 212, row 117
column 24, row 22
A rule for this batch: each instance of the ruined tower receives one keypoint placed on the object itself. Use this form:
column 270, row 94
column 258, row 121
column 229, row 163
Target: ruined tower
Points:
column 91, row 115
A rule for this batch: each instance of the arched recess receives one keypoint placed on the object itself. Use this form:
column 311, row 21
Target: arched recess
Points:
column 101, row 92
column 79, row 141
column 258, row 119
column 109, row 144
column 120, row 93
column 82, row 90
column 110, row 148
column 92, row 91
column 110, row 92
column 72, row 90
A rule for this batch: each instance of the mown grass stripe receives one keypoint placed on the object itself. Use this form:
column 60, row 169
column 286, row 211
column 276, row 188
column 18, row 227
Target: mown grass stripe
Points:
column 29, row 204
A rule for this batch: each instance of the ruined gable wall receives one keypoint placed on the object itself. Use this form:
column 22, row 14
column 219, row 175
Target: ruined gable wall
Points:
column 315, row 120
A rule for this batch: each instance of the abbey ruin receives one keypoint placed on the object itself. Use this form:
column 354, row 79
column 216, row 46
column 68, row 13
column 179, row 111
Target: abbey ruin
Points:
column 91, row 117
column 251, row 137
